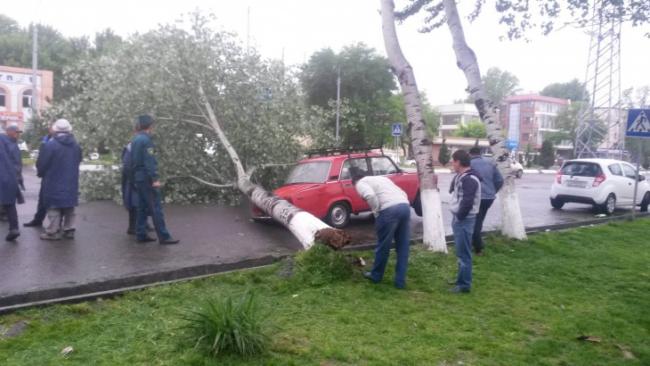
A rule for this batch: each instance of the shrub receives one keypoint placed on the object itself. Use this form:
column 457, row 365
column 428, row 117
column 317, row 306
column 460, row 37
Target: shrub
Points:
column 321, row 264
column 229, row 326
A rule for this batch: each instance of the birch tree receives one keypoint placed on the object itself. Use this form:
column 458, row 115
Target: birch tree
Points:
column 421, row 143
column 222, row 112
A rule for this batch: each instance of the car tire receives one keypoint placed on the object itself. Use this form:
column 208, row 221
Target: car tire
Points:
column 339, row 215
column 417, row 204
column 556, row 203
column 519, row 174
column 645, row 202
column 609, row 206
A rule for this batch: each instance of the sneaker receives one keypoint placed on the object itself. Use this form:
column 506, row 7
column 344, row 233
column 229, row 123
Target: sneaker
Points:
column 12, row 235
column 146, row 239
column 368, row 276
column 48, row 236
column 459, row 290
column 169, row 241
column 68, row 234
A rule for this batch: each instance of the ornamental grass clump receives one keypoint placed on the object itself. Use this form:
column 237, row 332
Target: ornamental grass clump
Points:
column 320, row 265
column 228, row 325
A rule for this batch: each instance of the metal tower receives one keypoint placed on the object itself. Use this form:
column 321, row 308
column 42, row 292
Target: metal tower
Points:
column 600, row 125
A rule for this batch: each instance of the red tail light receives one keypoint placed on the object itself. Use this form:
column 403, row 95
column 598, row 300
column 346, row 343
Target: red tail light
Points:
column 599, row 179
column 558, row 177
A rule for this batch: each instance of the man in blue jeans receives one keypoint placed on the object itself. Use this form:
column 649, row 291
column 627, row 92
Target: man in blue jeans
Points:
column 465, row 201
column 390, row 205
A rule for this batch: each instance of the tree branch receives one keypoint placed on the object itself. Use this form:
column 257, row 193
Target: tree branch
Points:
column 203, row 181
column 253, row 169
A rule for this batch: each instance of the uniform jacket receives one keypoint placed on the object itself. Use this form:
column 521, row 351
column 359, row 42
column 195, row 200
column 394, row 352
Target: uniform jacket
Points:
column 144, row 164
column 491, row 178
column 8, row 181
column 129, row 193
column 465, row 194
column 58, row 165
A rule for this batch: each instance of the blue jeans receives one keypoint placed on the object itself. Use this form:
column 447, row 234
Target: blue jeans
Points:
column 392, row 223
column 463, row 230
column 149, row 203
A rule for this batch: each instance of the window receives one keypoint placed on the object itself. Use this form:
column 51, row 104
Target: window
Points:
column 3, row 96
column 525, row 136
column 615, row 169
column 580, row 169
column 450, row 120
column 313, row 172
column 382, row 166
column 629, row 171
column 360, row 163
column 27, row 98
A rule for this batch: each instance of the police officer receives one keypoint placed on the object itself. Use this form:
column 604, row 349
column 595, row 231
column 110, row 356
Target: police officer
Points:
column 147, row 183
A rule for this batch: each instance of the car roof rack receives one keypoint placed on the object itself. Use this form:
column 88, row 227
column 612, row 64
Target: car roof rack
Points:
column 330, row 151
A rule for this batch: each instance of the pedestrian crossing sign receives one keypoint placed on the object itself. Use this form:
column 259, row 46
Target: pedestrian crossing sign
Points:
column 397, row 129
column 638, row 123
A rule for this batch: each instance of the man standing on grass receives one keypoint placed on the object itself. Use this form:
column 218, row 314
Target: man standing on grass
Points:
column 491, row 183
column 465, row 201
column 390, row 205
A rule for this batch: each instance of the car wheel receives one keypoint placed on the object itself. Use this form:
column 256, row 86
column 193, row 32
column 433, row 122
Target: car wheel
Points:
column 610, row 205
column 645, row 202
column 417, row 204
column 556, row 203
column 339, row 215
column 519, row 173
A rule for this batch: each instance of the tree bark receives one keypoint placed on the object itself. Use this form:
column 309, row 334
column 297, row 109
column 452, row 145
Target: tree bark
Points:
column 433, row 226
column 512, row 222
column 304, row 226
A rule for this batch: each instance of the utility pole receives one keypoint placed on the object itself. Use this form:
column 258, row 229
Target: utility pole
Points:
column 34, row 68
column 248, row 29
column 338, row 101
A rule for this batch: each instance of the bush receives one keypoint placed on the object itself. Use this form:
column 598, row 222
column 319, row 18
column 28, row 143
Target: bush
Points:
column 230, row 326
column 321, row 265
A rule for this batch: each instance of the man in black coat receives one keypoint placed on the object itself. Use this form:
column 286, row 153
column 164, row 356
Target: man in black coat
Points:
column 11, row 178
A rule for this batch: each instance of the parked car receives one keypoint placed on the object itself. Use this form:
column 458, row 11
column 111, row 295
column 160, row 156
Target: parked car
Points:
column 517, row 168
column 604, row 183
column 322, row 185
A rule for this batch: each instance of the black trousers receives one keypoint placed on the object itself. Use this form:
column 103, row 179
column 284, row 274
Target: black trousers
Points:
column 477, row 240
column 41, row 210
column 12, row 216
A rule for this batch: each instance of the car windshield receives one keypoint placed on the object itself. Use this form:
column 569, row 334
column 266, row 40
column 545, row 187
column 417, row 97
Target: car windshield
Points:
column 580, row 169
column 313, row 172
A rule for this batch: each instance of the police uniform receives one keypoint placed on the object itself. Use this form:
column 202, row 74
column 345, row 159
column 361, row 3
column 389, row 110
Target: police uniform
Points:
column 145, row 172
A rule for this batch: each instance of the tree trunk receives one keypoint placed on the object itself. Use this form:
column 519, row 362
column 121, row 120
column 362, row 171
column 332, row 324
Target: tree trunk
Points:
column 304, row 226
column 433, row 226
column 512, row 224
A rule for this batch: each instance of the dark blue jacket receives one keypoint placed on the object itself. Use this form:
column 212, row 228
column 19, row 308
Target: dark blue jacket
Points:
column 129, row 193
column 14, row 155
column 491, row 178
column 8, row 181
column 58, row 165
column 144, row 164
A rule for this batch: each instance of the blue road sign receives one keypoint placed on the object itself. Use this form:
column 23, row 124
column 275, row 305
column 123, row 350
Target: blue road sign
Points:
column 638, row 123
column 512, row 144
column 397, row 129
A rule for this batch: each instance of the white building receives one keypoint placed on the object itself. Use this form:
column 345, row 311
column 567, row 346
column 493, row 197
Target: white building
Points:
column 454, row 115
column 16, row 93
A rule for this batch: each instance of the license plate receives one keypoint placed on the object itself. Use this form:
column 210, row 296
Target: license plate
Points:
column 576, row 183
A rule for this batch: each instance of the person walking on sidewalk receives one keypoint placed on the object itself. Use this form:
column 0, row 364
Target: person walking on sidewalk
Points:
column 491, row 183
column 11, row 178
column 41, row 209
column 58, row 166
column 145, row 175
column 465, row 201
column 390, row 206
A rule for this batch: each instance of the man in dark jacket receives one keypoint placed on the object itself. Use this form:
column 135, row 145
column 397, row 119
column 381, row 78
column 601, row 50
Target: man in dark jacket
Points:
column 465, row 200
column 147, row 183
column 11, row 178
column 41, row 209
column 58, row 166
column 491, row 183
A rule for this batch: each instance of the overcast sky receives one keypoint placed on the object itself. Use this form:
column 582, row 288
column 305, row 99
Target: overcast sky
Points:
column 297, row 28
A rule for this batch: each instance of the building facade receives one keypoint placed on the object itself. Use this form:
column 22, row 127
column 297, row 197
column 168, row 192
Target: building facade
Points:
column 454, row 115
column 16, row 94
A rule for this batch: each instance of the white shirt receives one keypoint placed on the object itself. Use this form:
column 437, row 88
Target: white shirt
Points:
column 380, row 193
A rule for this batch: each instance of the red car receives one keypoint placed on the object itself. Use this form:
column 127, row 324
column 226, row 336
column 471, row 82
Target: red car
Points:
column 321, row 185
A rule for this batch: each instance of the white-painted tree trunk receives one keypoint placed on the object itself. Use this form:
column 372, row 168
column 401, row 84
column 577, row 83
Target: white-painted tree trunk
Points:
column 302, row 224
column 512, row 222
column 433, row 226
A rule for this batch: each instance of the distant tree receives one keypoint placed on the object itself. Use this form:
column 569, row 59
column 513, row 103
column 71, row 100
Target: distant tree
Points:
column 444, row 155
column 529, row 156
column 573, row 90
column 499, row 84
column 547, row 154
column 473, row 128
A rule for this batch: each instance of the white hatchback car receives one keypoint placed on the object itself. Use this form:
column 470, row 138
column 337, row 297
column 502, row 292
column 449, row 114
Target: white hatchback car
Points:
column 603, row 183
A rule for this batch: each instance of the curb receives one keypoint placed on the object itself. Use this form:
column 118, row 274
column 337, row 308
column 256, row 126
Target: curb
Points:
column 116, row 287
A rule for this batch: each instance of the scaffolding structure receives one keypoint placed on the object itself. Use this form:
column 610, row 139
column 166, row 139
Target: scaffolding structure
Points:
column 600, row 131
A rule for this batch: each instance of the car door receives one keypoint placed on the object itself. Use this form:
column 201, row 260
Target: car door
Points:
column 357, row 203
column 630, row 176
column 384, row 166
column 622, row 188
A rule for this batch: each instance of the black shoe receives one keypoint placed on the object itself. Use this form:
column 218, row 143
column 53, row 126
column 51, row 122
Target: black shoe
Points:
column 68, row 234
column 130, row 231
column 146, row 239
column 13, row 234
column 33, row 224
column 459, row 290
column 169, row 241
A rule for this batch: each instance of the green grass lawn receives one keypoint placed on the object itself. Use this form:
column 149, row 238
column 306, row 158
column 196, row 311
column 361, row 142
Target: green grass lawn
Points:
column 530, row 302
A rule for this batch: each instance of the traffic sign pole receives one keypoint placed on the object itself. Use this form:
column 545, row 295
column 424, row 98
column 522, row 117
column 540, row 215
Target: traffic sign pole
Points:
column 638, row 126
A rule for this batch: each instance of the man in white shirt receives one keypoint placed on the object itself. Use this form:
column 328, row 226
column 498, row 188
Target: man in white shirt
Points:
column 390, row 205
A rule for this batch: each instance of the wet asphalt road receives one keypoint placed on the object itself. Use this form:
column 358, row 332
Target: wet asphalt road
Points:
column 102, row 252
